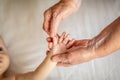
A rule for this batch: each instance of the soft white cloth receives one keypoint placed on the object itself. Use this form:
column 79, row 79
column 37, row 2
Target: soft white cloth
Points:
column 21, row 27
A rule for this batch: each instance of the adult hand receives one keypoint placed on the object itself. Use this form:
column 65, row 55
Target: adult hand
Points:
column 80, row 52
column 105, row 43
column 54, row 15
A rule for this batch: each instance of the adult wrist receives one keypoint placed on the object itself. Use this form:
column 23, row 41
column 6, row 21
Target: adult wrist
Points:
column 95, row 45
column 75, row 3
column 92, row 47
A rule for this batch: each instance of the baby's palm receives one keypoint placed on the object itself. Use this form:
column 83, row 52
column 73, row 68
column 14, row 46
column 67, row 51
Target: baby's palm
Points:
column 59, row 48
column 60, row 45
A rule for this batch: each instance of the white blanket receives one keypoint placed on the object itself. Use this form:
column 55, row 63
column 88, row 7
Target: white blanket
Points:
column 21, row 28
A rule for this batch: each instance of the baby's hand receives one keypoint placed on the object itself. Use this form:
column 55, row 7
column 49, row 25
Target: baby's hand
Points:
column 60, row 44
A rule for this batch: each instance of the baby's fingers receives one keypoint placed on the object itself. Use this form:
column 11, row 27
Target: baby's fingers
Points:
column 50, row 45
column 66, row 38
column 70, row 43
column 62, row 37
column 49, row 39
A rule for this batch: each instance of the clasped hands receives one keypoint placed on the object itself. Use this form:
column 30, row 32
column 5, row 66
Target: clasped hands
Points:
column 81, row 50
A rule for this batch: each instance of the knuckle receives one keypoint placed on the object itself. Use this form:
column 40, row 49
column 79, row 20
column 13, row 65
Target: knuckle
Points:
column 45, row 12
column 56, row 16
column 43, row 28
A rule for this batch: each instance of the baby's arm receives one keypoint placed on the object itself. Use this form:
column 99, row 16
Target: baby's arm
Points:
column 40, row 73
column 57, row 46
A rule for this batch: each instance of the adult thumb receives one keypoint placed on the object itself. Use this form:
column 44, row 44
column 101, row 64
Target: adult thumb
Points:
column 54, row 26
column 63, row 57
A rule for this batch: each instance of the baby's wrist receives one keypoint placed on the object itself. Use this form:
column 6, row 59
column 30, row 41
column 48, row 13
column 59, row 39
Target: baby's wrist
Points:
column 52, row 52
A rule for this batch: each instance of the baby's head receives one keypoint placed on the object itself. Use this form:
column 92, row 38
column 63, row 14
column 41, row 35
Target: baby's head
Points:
column 4, row 58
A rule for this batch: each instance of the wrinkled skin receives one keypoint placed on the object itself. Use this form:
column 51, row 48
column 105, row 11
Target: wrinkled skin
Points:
column 105, row 43
column 55, row 14
column 78, row 53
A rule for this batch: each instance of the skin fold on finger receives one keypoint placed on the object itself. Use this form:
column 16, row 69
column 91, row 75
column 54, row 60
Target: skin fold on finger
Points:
column 61, row 37
column 47, row 52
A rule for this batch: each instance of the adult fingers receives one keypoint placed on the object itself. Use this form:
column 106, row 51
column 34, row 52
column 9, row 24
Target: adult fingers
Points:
column 49, row 53
column 62, row 58
column 69, row 44
column 54, row 23
column 46, row 23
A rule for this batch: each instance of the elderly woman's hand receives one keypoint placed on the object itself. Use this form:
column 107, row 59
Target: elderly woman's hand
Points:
column 81, row 51
column 54, row 15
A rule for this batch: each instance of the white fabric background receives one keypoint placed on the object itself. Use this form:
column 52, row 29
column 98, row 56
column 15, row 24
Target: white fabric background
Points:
column 21, row 28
